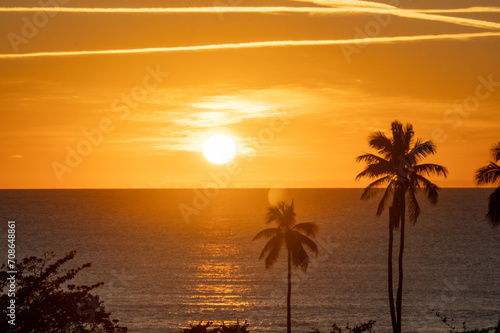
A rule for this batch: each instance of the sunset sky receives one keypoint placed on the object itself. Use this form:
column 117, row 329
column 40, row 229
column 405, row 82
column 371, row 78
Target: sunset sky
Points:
column 137, row 91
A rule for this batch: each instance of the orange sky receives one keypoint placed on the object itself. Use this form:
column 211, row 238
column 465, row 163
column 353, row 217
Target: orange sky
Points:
column 300, row 113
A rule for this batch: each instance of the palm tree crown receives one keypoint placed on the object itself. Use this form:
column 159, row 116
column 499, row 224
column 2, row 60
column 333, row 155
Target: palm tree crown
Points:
column 398, row 165
column 288, row 232
column 490, row 174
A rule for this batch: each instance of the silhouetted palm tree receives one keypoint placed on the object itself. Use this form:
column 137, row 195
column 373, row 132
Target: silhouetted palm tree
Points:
column 397, row 167
column 490, row 174
column 291, row 234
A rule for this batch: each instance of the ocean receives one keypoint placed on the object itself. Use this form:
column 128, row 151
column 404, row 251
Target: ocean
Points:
column 164, row 270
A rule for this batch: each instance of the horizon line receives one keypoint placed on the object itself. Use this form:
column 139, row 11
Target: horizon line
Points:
column 225, row 188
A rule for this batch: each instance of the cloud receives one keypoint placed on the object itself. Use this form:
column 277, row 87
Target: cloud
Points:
column 250, row 45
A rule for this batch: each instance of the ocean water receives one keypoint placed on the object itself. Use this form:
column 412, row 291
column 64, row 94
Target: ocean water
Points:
column 163, row 271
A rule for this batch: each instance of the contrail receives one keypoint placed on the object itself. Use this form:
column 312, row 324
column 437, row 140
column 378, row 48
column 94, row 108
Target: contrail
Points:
column 462, row 10
column 355, row 3
column 375, row 7
column 378, row 40
column 174, row 10
column 369, row 9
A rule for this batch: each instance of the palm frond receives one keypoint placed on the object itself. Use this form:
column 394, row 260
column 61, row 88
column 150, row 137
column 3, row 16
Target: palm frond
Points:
column 431, row 170
column 494, row 208
column 408, row 137
column 288, row 214
column 374, row 170
column 370, row 159
column 272, row 249
column 374, row 188
column 379, row 141
column 267, row 233
column 299, row 256
column 383, row 202
column 489, row 174
column 421, row 151
column 413, row 206
column 306, row 241
column 430, row 189
column 274, row 214
column 398, row 138
column 309, row 228
column 495, row 151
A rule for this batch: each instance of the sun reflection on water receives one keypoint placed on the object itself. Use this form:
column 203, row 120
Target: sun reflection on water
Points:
column 221, row 283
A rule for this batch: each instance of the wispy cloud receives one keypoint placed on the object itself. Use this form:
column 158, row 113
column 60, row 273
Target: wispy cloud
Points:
column 284, row 43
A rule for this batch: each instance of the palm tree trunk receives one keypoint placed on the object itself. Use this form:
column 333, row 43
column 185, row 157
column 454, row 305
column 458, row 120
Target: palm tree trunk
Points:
column 389, row 268
column 399, row 299
column 288, row 298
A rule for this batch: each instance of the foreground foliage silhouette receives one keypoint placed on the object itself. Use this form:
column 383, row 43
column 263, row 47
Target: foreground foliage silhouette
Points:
column 453, row 329
column 398, row 167
column 365, row 327
column 222, row 328
column 490, row 174
column 46, row 302
column 294, row 236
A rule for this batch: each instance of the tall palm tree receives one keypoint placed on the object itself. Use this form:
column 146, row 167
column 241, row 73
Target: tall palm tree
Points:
column 397, row 166
column 490, row 174
column 294, row 236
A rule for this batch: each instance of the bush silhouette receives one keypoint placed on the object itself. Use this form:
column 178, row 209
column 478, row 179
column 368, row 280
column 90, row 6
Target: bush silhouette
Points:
column 453, row 329
column 365, row 327
column 223, row 328
column 46, row 302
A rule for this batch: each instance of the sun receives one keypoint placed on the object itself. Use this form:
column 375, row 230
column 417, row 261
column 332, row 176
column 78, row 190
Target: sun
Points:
column 219, row 149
